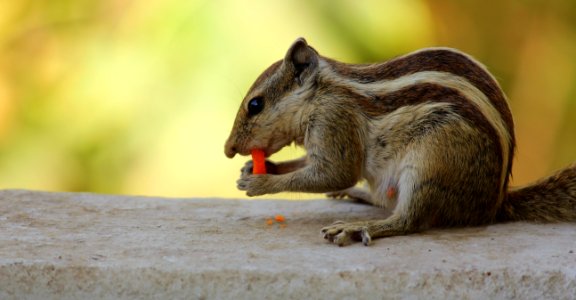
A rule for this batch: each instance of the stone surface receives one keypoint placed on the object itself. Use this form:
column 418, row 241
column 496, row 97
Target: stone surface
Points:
column 78, row 246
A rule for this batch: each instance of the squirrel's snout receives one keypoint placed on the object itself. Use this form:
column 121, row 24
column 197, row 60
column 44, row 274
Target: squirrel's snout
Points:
column 230, row 149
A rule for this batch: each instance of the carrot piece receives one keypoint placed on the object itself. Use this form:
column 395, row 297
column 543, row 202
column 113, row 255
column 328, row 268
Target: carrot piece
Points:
column 279, row 218
column 259, row 161
column 269, row 222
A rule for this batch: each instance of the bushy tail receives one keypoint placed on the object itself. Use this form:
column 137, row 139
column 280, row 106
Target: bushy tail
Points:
column 552, row 199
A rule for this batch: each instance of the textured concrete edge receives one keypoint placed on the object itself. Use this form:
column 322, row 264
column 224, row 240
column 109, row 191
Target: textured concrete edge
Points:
column 527, row 268
column 37, row 281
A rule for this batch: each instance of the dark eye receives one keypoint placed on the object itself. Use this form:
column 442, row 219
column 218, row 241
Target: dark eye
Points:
column 255, row 105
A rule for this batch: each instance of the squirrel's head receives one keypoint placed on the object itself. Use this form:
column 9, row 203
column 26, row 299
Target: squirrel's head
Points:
column 270, row 115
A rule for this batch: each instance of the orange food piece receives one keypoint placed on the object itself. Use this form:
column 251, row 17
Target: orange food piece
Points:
column 269, row 221
column 259, row 161
column 391, row 192
column 279, row 218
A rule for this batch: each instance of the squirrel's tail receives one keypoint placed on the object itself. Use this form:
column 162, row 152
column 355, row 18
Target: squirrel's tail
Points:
column 552, row 199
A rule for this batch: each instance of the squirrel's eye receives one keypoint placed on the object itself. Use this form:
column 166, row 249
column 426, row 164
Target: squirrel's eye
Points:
column 255, row 105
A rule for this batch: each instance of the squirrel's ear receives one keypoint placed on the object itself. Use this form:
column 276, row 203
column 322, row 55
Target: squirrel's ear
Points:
column 301, row 59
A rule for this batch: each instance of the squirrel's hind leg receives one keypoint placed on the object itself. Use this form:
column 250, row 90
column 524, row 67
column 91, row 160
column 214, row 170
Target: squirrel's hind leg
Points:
column 403, row 221
column 357, row 194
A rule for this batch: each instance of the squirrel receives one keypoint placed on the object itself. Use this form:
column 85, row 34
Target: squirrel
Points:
column 429, row 132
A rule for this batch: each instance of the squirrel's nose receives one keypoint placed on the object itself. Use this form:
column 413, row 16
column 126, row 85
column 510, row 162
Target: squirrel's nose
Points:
column 230, row 149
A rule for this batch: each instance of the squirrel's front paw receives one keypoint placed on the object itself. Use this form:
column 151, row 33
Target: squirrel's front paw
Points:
column 254, row 185
column 247, row 169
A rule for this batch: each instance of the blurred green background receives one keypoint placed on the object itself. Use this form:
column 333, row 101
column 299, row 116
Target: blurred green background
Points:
column 138, row 97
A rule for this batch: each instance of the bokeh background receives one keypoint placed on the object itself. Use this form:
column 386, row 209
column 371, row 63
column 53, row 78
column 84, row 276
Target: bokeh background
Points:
column 138, row 97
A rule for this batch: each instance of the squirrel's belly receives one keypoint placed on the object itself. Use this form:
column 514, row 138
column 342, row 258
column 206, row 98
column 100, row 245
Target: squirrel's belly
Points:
column 391, row 183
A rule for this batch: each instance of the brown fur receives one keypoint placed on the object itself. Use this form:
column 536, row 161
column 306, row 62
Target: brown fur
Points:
column 432, row 126
column 443, row 60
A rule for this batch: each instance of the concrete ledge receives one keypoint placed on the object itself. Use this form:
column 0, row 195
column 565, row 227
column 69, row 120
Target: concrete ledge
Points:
column 78, row 246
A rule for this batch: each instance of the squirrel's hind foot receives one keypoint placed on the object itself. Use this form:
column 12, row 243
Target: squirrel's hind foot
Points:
column 342, row 234
column 357, row 194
